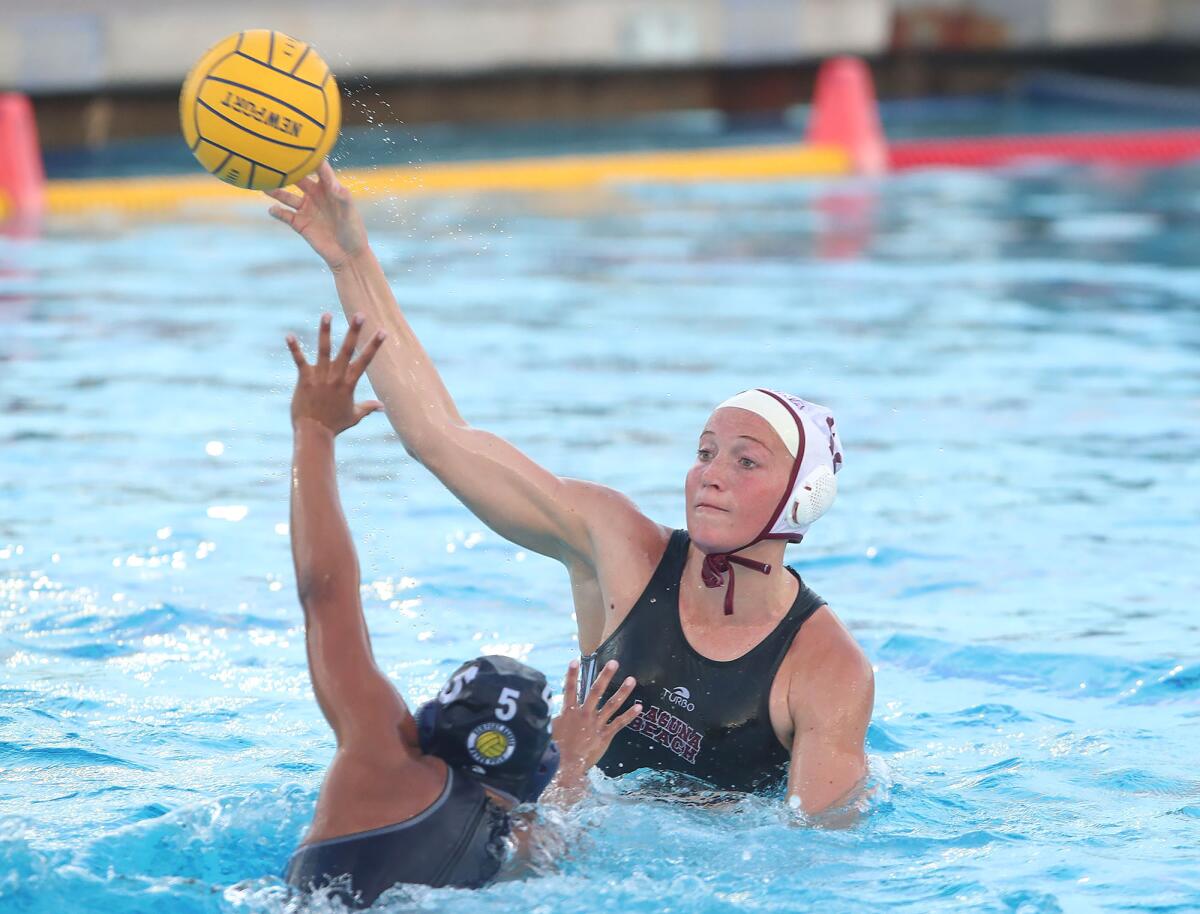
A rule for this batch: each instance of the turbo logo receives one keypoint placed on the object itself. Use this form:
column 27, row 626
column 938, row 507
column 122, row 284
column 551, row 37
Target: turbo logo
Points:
column 679, row 696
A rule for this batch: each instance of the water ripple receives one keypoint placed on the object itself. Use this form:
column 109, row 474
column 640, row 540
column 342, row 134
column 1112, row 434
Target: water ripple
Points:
column 58, row 756
column 1075, row 675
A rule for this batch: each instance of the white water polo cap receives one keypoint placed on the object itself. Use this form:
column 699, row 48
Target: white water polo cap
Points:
column 809, row 432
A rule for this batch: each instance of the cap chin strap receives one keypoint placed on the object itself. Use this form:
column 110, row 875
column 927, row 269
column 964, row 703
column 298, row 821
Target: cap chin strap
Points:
column 718, row 564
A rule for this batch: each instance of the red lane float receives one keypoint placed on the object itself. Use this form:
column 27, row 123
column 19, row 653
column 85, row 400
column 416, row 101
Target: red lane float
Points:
column 1157, row 147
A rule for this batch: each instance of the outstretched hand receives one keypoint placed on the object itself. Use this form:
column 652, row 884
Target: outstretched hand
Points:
column 325, row 390
column 324, row 215
column 583, row 731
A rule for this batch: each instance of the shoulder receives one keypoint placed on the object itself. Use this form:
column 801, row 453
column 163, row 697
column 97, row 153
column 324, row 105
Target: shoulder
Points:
column 359, row 791
column 614, row 521
column 832, row 680
column 597, row 497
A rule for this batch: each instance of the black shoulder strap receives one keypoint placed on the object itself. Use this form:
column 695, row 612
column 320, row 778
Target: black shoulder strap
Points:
column 469, row 805
column 806, row 603
column 666, row 574
column 664, row 579
column 670, row 568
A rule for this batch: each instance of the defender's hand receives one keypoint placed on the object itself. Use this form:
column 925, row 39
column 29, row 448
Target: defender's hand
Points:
column 325, row 391
column 583, row 732
column 324, row 215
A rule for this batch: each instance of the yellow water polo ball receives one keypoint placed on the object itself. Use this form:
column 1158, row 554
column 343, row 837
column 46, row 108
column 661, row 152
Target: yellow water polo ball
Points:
column 260, row 109
column 491, row 745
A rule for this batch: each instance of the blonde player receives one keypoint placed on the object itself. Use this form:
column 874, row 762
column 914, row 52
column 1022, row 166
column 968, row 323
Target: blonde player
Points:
column 740, row 692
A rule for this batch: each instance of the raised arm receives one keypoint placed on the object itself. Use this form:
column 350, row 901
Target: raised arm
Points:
column 510, row 493
column 357, row 700
column 403, row 375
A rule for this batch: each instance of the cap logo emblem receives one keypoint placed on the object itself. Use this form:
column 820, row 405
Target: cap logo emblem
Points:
column 491, row 744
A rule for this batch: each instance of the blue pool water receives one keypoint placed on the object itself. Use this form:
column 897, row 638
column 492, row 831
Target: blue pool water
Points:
column 1013, row 359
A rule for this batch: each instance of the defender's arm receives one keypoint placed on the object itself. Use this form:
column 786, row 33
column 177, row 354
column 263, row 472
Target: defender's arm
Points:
column 356, row 698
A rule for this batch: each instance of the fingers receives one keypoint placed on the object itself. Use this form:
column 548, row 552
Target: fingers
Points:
column 308, row 184
column 352, row 370
column 364, row 409
column 323, row 339
column 624, row 720
column 364, row 359
column 617, row 698
column 599, row 685
column 293, row 345
column 283, row 214
column 286, row 197
column 326, row 175
column 329, row 180
column 348, row 344
column 571, row 686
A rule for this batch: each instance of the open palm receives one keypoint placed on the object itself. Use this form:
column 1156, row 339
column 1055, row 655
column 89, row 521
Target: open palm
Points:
column 325, row 389
column 324, row 215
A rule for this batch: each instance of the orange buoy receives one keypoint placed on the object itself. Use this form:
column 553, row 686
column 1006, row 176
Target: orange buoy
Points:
column 22, row 177
column 845, row 114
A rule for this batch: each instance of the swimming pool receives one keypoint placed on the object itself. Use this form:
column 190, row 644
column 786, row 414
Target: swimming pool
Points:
column 1012, row 359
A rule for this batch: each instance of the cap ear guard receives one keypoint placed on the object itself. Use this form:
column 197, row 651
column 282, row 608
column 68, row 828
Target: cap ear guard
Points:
column 813, row 496
column 542, row 775
column 426, row 718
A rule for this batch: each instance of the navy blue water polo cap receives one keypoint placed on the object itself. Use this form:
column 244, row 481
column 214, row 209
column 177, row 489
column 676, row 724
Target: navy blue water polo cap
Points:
column 492, row 722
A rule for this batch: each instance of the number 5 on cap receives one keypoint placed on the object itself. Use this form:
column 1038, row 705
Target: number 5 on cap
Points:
column 455, row 686
column 506, row 707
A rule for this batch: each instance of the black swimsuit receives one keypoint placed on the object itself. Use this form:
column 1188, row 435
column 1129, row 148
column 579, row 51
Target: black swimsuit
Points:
column 706, row 718
column 457, row 841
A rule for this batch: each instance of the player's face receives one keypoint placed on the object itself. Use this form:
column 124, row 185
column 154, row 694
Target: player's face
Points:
column 742, row 468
